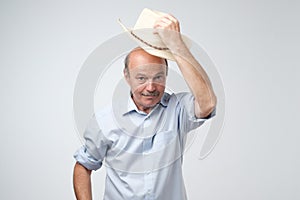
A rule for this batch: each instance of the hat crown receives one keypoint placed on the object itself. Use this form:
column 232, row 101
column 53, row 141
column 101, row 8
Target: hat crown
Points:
column 147, row 18
column 143, row 35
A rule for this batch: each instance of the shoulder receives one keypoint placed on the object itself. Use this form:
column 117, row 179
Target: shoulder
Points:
column 104, row 116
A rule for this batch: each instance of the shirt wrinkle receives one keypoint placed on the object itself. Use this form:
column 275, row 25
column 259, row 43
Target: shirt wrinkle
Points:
column 142, row 153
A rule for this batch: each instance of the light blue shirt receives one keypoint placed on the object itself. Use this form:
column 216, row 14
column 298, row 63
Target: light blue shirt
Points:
column 142, row 152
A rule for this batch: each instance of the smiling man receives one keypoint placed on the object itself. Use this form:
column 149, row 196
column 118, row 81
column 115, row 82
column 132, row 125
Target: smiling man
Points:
column 142, row 143
column 146, row 76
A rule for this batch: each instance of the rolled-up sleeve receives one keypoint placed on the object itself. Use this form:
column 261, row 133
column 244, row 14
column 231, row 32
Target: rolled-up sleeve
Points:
column 93, row 152
column 85, row 159
column 187, row 117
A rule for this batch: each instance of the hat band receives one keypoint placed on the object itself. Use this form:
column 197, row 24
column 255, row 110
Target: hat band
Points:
column 148, row 44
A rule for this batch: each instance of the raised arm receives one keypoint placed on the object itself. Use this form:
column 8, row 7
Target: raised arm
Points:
column 198, row 81
column 82, row 182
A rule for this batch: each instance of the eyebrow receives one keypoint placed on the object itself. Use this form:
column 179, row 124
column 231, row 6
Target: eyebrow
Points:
column 159, row 73
column 142, row 74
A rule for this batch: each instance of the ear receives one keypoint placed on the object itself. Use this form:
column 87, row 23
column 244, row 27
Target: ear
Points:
column 126, row 75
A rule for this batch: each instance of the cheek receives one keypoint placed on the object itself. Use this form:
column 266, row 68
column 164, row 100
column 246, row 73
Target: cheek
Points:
column 133, row 85
column 137, row 88
column 160, row 88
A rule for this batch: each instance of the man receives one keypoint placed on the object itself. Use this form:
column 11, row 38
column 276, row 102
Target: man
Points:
column 142, row 142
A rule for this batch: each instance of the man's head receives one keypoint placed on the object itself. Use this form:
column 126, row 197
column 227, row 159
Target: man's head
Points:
column 146, row 76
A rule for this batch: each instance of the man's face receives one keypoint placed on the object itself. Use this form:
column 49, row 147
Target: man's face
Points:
column 146, row 76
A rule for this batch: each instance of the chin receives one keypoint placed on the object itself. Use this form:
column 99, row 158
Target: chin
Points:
column 149, row 103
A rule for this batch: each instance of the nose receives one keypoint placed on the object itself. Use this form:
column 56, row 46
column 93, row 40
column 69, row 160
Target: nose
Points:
column 150, row 86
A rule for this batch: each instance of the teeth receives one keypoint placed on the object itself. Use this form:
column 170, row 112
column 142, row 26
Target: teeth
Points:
column 149, row 95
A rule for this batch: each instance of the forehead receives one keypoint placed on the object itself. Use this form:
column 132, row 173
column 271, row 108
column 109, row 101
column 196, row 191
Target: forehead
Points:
column 139, row 57
column 148, row 69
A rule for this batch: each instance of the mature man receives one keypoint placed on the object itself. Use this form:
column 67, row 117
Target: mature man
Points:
column 142, row 142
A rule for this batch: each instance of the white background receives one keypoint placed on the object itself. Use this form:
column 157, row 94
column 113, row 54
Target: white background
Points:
column 254, row 44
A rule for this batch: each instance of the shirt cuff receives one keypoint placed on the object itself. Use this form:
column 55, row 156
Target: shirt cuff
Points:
column 84, row 158
column 212, row 114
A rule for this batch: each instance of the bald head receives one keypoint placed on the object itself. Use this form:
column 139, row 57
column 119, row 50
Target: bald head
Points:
column 139, row 56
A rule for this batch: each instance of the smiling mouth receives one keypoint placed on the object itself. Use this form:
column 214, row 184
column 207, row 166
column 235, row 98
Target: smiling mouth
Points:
column 152, row 94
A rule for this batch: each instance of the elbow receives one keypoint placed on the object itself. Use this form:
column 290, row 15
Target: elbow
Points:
column 206, row 109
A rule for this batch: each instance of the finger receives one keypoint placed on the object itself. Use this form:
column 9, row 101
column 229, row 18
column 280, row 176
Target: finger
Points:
column 170, row 22
column 166, row 23
column 162, row 28
column 170, row 17
column 175, row 21
column 161, row 24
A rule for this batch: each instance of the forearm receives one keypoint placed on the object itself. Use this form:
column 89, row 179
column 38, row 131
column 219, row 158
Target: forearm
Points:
column 82, row 182
column 169, row 31
column 197, row 80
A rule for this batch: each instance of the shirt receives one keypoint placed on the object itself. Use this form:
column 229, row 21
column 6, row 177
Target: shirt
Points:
column 142, row 152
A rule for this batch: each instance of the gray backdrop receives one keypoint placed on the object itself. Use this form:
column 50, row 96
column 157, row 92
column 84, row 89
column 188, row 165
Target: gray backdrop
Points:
column 254, row 44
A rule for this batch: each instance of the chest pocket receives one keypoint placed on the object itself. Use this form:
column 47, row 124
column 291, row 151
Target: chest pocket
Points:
column 164, row 139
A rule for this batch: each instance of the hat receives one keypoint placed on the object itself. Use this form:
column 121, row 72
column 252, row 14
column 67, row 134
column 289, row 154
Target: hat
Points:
column 142, row 34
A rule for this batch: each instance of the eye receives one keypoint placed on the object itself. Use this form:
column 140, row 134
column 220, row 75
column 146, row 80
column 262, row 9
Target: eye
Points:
column 141, row 78
column 158, row 78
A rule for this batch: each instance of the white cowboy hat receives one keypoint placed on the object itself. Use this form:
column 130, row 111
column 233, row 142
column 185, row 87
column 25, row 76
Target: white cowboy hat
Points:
column 143, row 34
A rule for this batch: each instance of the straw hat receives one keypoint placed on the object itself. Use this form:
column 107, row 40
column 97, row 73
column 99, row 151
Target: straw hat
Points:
column 142, row 34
